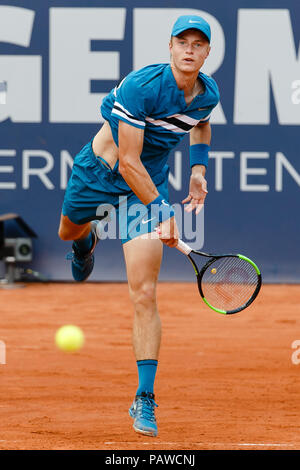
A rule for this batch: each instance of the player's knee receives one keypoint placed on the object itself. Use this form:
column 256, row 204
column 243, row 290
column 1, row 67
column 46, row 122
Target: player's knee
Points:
column 143, row 295
column 64, row 234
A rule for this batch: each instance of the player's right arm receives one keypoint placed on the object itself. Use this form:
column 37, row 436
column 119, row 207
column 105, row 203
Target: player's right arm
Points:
column 130, row 165
column 131, row 141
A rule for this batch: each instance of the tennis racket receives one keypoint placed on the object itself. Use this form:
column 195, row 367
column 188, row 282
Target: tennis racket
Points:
column 227, row 283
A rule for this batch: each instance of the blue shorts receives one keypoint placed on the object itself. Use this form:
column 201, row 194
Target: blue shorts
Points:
column 93, row 191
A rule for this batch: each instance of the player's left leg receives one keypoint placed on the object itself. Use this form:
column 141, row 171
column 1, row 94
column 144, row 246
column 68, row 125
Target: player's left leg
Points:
column 143, row 259
column 87, row 190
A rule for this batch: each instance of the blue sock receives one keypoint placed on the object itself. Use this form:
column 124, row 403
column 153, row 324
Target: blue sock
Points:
column 147, row 371
column 84, row 244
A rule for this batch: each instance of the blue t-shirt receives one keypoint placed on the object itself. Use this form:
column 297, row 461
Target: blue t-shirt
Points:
column 150, row 99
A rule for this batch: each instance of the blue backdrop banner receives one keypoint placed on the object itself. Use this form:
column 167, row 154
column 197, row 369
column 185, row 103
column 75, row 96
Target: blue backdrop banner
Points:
column 59, row 59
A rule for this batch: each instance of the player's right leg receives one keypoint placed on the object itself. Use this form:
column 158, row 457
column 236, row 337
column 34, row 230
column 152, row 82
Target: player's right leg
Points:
column 143, row 255
column 143, row 259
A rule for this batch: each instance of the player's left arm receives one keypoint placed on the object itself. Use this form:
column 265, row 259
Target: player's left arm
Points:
column 200, row 134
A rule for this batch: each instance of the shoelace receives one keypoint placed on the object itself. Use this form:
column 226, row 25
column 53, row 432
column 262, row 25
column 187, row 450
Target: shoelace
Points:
column 145, row 407
column 77, row 258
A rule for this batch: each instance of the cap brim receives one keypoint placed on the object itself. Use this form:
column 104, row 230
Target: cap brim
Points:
column 176, row 33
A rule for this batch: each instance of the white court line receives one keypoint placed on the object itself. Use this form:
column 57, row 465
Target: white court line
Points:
column 265, row 444
column 7, row 440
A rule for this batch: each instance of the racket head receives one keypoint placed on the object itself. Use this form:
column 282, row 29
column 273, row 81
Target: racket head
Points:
column 229, row 283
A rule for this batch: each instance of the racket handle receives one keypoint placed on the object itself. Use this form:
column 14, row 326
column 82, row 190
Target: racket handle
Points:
column 183, row 247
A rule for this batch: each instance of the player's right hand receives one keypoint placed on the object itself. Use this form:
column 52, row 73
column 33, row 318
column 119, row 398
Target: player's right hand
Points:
column 168, row 232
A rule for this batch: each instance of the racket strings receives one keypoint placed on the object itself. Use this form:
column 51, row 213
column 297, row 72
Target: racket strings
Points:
column 229, row 282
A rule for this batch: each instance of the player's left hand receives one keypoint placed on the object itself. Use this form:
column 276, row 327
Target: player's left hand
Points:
column 197, row 193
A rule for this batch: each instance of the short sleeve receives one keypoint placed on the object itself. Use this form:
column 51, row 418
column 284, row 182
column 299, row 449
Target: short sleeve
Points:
column 212, row 97
column 130, row 102
column 206, row 118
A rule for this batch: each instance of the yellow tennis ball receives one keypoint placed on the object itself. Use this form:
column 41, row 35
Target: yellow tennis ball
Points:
column 213, row 271
column 69, row 338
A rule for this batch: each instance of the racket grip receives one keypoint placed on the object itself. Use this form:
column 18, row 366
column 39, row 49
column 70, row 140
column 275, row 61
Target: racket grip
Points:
column 183, row 247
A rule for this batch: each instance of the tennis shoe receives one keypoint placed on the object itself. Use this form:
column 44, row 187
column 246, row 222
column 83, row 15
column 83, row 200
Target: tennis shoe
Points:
column 83, row 263
column 143, row 412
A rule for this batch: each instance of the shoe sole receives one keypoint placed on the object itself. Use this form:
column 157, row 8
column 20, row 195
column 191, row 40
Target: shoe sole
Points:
column 145, row 433
column 141, row 431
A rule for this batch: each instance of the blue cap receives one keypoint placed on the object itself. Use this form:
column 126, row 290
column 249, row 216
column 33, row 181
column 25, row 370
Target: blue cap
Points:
column 191, row 22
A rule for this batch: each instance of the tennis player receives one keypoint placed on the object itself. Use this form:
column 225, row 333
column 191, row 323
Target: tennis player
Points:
column 146, row 116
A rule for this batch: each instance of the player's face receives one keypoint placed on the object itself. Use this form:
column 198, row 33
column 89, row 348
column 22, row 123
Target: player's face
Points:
column 189, row 50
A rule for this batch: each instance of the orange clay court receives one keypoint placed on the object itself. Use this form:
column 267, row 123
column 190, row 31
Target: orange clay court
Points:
column 222, row 382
